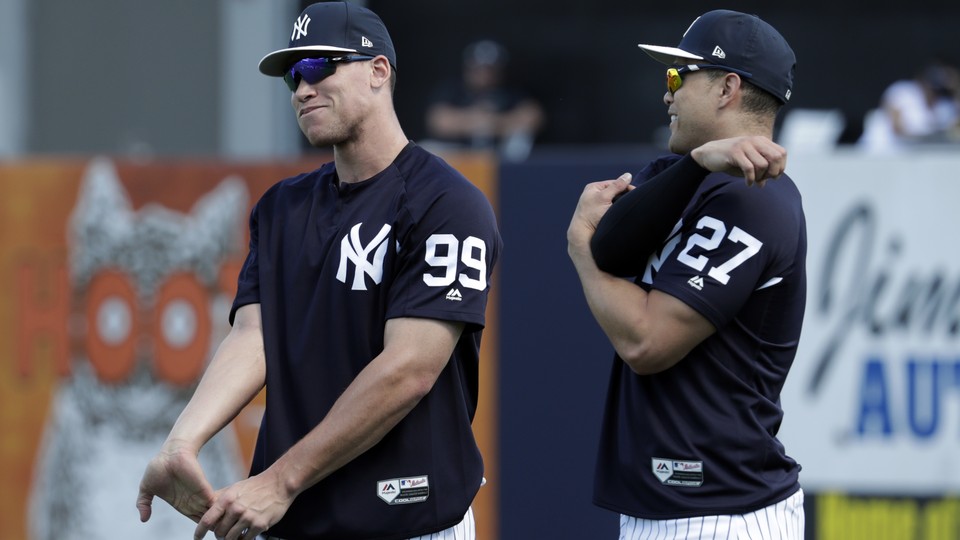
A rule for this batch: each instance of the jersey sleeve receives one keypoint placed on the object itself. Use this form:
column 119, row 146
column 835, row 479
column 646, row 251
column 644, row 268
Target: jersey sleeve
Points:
column 446, row 256
column 736, row 240
column 248, row 281
column 636, row 224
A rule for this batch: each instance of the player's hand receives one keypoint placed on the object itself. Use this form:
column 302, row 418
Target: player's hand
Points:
column 755, row 158
column 593, row 204
column 175, row 476
column 246, row 509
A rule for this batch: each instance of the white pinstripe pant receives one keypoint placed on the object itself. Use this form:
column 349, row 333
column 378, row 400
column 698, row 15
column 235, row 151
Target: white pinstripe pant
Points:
column 779, row 521
column 465, row 530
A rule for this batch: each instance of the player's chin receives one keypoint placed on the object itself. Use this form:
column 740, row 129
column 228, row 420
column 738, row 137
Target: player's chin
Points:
column 676, row 145
column 320, row 139
column 680, row 144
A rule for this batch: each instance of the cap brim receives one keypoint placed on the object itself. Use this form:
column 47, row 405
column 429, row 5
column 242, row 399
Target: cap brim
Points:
column 668, row 55
column 276, row 63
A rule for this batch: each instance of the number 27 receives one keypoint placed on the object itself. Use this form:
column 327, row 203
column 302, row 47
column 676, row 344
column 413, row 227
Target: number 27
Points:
column 720, row 273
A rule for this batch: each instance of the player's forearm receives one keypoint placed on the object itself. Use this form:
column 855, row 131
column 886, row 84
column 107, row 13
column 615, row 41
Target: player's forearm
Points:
column 370, row 407
column 375, row 402
column 639, row 222
column 234, row 377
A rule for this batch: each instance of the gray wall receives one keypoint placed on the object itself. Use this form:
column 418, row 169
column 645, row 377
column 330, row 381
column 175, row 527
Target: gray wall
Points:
column 123, row 76
column 12, row 73
column 147, row 78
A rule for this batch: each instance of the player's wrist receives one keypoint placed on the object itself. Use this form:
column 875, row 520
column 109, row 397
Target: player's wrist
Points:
column 582, row 258
column 180, row 445
column 578, row 243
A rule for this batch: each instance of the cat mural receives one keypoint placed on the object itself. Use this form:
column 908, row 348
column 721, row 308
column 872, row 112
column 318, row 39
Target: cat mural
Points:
column 149, row 312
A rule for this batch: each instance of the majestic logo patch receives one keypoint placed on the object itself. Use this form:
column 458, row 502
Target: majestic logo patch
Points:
column 674, row 472
column 696, row 282
column 415, row 489
column 455, row 295
column 353, row 250
column 300, row 27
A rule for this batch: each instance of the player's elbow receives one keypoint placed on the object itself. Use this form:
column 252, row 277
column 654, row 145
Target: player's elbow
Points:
column 644, row 358
column 420, row 385
column 413, row 383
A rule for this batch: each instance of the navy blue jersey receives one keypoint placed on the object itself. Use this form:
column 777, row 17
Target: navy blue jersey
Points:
column 329, row 264
column 700, row 437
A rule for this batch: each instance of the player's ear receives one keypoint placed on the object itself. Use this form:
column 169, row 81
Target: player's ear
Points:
column 380, row 71
column 730, row 85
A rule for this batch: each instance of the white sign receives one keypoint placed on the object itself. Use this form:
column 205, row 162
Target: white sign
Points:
column 873, row 401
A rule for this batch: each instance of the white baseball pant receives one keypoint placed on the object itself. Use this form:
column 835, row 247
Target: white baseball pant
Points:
column 465, row 530
column 779, row 521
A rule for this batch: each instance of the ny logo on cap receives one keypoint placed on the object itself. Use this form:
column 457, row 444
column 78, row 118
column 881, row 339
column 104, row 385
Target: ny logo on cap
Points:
column 300, row 27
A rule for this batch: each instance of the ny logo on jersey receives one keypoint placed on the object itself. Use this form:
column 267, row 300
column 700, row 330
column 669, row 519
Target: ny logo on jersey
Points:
column 352, row 249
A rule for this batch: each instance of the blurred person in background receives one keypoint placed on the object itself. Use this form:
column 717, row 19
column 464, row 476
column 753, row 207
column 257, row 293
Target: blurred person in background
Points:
column 914, row 111
column 481, row 111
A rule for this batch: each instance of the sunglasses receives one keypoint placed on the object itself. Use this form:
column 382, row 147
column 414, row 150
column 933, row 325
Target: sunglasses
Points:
column 314, row 70
column 675, row 79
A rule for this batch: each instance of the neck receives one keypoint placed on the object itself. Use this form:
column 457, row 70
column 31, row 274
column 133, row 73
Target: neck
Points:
column 746, row 124
column 378, row 144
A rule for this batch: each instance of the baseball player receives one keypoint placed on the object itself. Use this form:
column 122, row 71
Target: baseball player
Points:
column 360, row 308
column 706, row 333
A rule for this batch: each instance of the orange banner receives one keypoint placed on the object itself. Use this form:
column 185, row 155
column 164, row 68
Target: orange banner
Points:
column 118, row 278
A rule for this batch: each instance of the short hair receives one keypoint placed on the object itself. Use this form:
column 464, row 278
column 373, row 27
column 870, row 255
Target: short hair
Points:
column 756, row 100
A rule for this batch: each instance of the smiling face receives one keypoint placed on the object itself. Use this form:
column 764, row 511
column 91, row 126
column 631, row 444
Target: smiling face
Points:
column 332, row 111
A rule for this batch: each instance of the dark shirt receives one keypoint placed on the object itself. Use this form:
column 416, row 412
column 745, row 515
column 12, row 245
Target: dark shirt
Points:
column 700, row 437
column 329, row 264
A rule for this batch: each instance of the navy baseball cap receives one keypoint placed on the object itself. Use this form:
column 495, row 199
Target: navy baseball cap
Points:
column 331, row 29
column 739, row 41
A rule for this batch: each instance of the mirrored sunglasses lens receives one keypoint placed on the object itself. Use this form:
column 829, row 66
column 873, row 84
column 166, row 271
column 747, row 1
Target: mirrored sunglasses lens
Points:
column 312, row 70
column 673, row 80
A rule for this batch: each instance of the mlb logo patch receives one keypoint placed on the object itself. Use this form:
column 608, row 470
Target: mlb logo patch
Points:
column 673, row 472
column 414, row 489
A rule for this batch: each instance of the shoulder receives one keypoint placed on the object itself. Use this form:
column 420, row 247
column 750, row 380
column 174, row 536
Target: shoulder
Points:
column 292, row 188
column 437, row 197
column 655, row 167
column 783, row 188
column 429, row 177
column 776, row 208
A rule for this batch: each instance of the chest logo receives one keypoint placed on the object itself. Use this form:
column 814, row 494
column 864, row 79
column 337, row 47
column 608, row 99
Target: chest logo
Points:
column 367, row 258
